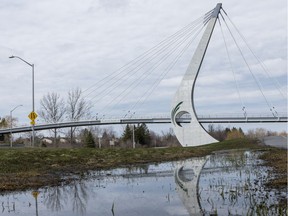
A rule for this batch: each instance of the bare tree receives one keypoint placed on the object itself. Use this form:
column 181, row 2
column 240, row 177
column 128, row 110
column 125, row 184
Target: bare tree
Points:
column 52, row 110
column 108, row 134
column 77, row 108
column 4, row 123
column 55, row 197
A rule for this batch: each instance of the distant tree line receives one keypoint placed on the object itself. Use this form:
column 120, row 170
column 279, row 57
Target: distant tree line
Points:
column 221, row 133
column 143, row 137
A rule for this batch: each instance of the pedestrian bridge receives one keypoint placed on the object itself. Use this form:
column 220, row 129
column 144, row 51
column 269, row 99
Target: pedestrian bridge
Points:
column 203, row 119
column 117, row 89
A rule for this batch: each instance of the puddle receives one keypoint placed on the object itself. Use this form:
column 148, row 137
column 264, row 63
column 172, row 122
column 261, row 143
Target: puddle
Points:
column 228, row 183
column 233, row 184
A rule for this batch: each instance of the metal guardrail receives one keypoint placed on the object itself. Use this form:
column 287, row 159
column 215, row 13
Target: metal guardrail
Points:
column 160, row 120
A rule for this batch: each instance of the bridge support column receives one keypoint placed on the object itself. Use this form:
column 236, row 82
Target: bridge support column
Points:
column 193, row 133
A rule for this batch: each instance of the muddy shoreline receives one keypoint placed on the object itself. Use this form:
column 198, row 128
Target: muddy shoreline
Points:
column 23, row 169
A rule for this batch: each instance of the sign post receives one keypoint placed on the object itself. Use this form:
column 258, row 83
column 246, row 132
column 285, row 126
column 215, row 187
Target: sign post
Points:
column 32, row 116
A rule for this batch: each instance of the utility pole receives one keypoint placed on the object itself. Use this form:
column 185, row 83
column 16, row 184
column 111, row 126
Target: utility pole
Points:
column 133, row 136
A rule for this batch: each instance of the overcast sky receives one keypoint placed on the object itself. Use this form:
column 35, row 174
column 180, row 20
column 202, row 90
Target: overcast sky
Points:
column 76, row 43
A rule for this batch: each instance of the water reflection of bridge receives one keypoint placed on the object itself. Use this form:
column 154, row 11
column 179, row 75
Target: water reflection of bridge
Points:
column 227, row 182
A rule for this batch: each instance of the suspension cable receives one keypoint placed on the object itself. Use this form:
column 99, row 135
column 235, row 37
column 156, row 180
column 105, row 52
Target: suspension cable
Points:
column 165, row 72
column 123, row 80
column 176, row 46
column 264, row 67
column 233, row 71
column 153, row 67
column 138, row 67
column 139, row 58
column 255, row 79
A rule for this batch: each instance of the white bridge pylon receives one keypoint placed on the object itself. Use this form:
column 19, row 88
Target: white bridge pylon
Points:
column 192, row 134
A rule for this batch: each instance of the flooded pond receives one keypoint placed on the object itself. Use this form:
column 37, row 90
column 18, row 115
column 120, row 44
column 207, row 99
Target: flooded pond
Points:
column 221, row 184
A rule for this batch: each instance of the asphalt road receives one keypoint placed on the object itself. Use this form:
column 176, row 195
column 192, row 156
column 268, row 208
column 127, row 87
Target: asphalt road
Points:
column 276, row 141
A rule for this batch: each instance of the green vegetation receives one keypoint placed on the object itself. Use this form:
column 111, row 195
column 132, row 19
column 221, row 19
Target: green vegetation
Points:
column 31, row 168
column 88, row 139
column 141, row 133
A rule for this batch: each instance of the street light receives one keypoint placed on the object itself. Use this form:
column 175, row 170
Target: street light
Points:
column 11, row 139
column 32, row 65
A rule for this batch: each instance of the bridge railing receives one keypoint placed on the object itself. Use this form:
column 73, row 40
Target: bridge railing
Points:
column 240, row 115
column 215, row 118
column 216, row 115
column 114, row 119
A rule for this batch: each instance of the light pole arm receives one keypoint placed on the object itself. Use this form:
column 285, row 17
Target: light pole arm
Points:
column 32, row 65
column 15, row 108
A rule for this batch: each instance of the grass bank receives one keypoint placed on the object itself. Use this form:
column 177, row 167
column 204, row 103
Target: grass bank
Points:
column 277, row 159
column 25, row 168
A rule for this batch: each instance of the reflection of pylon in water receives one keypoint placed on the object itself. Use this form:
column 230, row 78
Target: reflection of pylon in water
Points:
column 186, row 178
column 35, row 195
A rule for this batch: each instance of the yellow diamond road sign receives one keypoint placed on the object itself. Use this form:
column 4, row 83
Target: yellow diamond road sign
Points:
column 33, row 116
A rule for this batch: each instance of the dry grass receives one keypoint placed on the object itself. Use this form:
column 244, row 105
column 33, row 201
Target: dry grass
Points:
column 25, row 168
column 277, row 159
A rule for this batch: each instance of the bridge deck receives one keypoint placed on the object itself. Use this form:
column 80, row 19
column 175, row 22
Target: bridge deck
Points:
column 163, row 120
